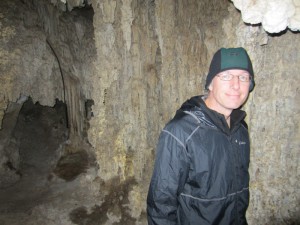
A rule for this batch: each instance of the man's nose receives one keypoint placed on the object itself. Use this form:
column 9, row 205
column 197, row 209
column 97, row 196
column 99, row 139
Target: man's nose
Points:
column 235, row 82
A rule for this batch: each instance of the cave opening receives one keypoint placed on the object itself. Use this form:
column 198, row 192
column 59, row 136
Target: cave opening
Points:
column 37, row 155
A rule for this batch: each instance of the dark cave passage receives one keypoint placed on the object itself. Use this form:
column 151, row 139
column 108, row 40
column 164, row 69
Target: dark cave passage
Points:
column 37, row 151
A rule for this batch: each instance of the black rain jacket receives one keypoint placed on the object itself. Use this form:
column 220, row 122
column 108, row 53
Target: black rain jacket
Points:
column 200, row 174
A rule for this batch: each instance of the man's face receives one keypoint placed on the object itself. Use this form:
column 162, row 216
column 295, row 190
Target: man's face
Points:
column 227, row 95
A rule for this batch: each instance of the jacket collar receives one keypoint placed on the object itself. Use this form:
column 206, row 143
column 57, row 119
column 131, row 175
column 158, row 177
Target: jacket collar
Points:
column 197, row 103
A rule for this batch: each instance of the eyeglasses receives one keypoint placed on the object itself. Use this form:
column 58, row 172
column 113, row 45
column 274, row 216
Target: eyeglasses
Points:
column 228, row 77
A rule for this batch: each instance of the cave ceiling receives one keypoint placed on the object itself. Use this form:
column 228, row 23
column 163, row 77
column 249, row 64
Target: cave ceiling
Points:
column 274, row 15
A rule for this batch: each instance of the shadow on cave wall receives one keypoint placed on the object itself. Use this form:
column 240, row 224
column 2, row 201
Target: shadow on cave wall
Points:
column 39, row 132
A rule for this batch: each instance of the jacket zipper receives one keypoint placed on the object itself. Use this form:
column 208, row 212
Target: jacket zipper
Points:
column 236, row 174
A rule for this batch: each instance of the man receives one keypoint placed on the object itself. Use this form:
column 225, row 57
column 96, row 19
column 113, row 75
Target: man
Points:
column 201, row 170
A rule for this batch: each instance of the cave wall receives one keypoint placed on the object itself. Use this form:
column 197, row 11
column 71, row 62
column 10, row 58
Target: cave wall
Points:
column 139, row 62
column 274, row 111
column 154, row 55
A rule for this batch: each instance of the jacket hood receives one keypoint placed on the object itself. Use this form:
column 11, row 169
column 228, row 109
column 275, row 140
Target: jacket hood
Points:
column 191, row 103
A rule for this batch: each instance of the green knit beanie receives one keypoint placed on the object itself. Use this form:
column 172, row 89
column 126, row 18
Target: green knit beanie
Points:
column 230, row 58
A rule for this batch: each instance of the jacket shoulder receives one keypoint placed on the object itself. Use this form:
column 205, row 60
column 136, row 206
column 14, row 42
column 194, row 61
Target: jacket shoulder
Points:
column 182, row 125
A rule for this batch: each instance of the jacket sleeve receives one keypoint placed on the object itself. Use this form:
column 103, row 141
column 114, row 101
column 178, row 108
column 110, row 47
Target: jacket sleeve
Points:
column 168, row 179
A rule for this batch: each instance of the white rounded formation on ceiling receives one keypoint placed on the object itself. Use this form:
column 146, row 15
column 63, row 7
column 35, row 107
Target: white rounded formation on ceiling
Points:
column 274, row 15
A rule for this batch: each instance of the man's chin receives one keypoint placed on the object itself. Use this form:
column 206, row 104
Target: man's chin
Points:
column 234, row 106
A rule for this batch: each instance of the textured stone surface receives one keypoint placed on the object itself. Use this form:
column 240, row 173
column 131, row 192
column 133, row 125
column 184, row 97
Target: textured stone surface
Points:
column 274, row 112
column 138, row 61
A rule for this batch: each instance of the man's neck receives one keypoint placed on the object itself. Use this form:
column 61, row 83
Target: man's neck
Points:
column 214, row 106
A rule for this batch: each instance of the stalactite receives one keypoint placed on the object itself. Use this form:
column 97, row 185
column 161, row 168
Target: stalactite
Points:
column 61, row 73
